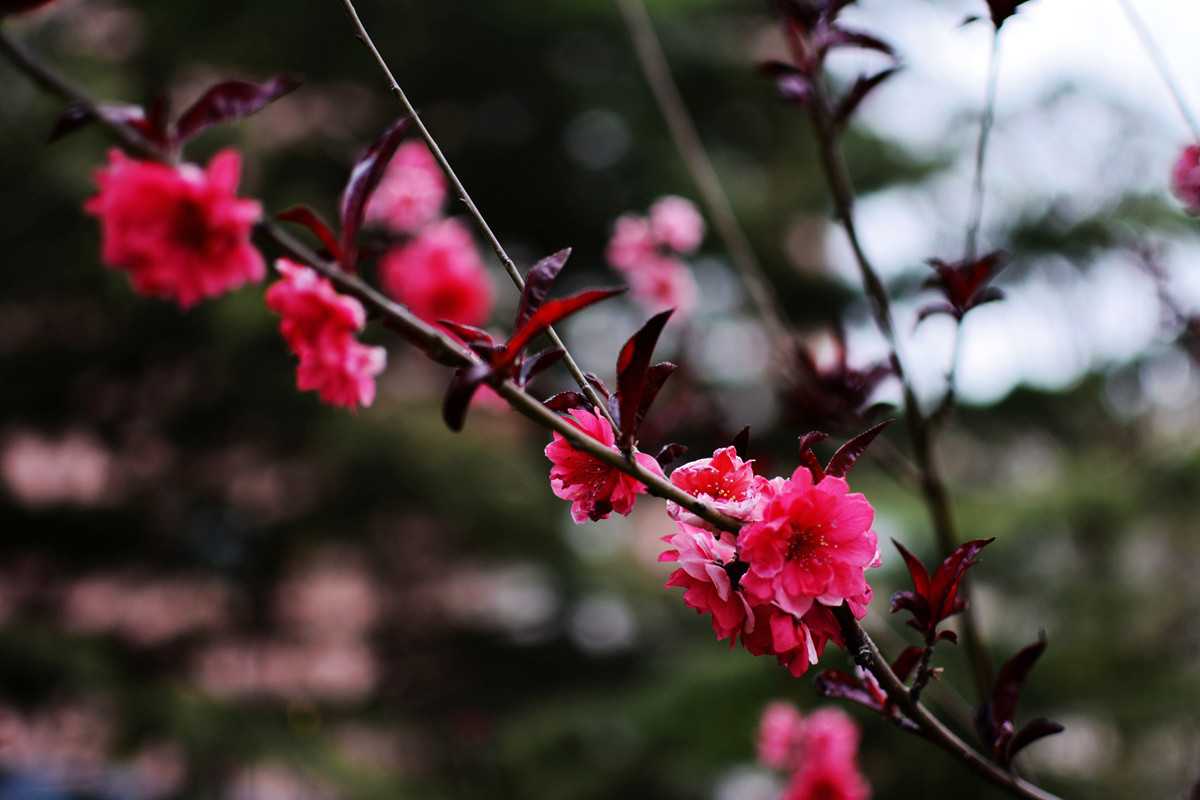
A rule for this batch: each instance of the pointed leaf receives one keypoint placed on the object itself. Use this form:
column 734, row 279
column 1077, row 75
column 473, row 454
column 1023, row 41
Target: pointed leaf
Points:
column 741, row 442
column 907, row 661
column 671, row 453
column 843, row 460
column 808, row 458
column 656, row 377
column 633, row 365
column 229, row 101
column 916, row 570
column 463, row 385
column 1002, row 10
column 468, row 333
column 1035, row 729
column 858, row 92
column 943, row 591
column 303, row 215
column 916, row 605
column 77, row 116
column 364, row 179
column 538, row 282
column 565, row 401
column 594, row 381
column 844, row 686
column 1011, row 679
column 539, row 363
column 548, row 314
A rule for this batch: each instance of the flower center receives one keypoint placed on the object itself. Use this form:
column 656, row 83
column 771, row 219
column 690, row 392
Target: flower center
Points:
column 805, row 544
column 190, row 228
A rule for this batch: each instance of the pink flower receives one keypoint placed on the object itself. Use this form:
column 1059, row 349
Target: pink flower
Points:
column 779, row 733
column 412, row 191
column 439, row 275
column 180, row 232
column 632, row 244
column 829, row 735
column 814, row 543
column 797, row 643
column 675, row 223
column 319, row 326
column 663, row 283
column 725, row 482
column 594, row 488
column 828, row 780
column 1185, row 178
column 704, row 563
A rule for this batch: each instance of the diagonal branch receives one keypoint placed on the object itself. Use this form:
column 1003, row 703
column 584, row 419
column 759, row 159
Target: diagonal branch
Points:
column 511, row 268
column 1160, row 63
column 657, row 73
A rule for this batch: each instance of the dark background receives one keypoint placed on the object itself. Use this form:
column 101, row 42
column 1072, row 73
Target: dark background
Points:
column 213, row 586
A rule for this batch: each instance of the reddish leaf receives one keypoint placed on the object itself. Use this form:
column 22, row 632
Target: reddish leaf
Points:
column 964, row 284
column 633, row 367
column 914, row 603
column 656, row 377
column 858, row 92
column 565, row 401
column 670, row 453
column 846, row 456
column 594, row 381
column 229, row 101
column 741, row 442
column 19, row 6
column 943, row 594
column 537, row 364
column 808, row 458
column 468, row 333
column 538, row 282
column 463, row 385
column 302, row 215
column 836, row 36
column 1002, row 9
column 907, row 661
column 916, row 570
column 78, row 116
column 949, row 636
column 548, row 314
column 844, row 686
column 1035, row 729
column 1009, row 682
column 364, row 179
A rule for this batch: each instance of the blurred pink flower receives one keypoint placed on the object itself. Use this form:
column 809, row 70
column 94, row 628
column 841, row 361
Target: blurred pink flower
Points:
column 676, row 224
column 412, row 191
column 704, row 561
column 779, row 733
column 1185, row 178
column 439, row 275
column 594, row 488
column 179, row 232
column 76, row 469
column 813, row 544
column 821, row 751
column 319, row 326
column 665, row 283
column 632, row 244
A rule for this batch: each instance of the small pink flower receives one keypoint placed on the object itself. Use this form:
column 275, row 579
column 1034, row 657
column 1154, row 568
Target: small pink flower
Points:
column 319, row 326
column 797, row 643
column 675, row 223
column 779, row 733
column 663, row 283
column 412, row 191
column 594, row 488
column 632, row 244
column 439, row 275
column 1185, row 178
column 725, row 482
column 813, row 544
column 179, row 232
column 704, row 561
column 829, row 735
column 833, row 780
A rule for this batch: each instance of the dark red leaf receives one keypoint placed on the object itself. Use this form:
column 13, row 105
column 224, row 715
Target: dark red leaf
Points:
column 549, row 313
column 565, row 401
column 670, row 453
column 808, row 458
column 943, row 592
column 656, row 377
column 462, row 388
column 467, row 333
column 858, row 92
column 537, row 364
column 633, row 367
column 364, row 178
column 229, row 101
column 537, row 284
column 1007, row 691
column 19, row 6
column 1002, row 10
column 933, row 309
column 844, row 686
column 907, row 661
column 915, row 604
column 741, row 442
column 916, row 570
column 78, row 116
column 837, row 36
column 846, row 456
column 594, row 381
column 949, row 636
column 302, row 215
column 1035, row 729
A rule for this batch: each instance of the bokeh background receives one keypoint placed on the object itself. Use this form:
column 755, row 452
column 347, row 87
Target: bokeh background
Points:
column 212, row 586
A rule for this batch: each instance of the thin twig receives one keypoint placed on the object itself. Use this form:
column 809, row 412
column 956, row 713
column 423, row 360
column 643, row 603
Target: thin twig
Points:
column 975, row 219
column 509, row 266
column 933, row 488
column 657, row 72
column 1160, row 63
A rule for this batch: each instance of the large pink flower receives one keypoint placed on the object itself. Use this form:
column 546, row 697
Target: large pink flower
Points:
column 704, row 562
column 725, row 482
column 412, row 191
column 813, row 543
column 439, row 275
column 675, row 223
column 180, row 232
column 594, row 488
column 319, row 326
column 1185, row 178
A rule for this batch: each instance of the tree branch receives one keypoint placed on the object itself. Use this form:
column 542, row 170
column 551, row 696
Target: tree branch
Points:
column 1164, row 69
column 511, row 268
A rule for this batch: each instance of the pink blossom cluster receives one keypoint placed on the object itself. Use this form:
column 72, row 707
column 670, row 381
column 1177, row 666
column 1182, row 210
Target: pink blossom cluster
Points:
column 438, row 272
column 804, row 549
column 319, row 326
column 648, row 251
column 820, row 750
column 179, row 232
